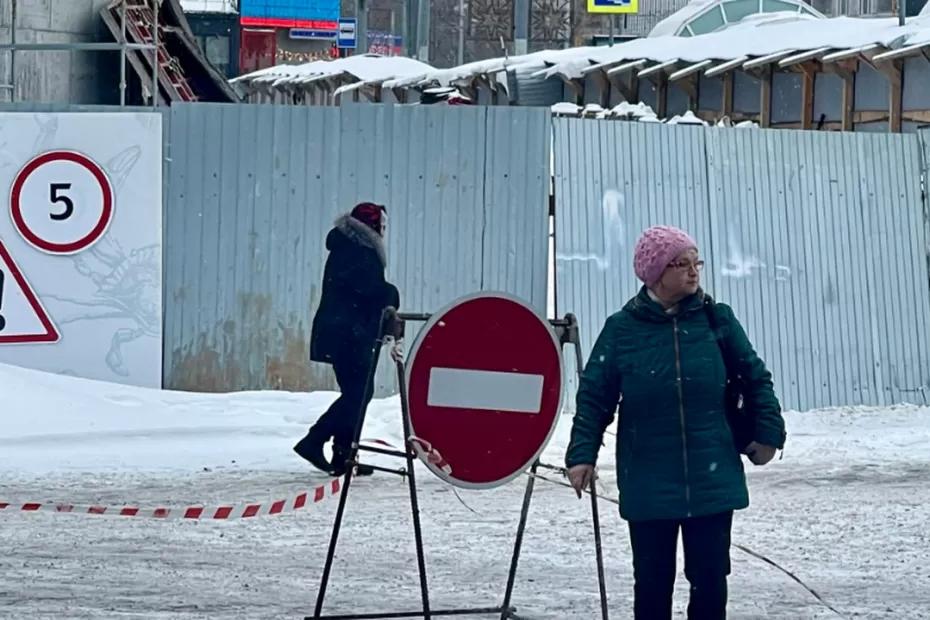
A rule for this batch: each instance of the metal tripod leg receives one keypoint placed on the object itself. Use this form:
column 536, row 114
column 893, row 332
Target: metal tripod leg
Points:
column 347, row 481
column 573, row 337
column 327, row 568
column 599, row 552
column 412, row 484
column 507, row 611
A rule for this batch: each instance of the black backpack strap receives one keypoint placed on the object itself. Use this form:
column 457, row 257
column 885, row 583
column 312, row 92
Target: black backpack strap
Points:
column 741, row 423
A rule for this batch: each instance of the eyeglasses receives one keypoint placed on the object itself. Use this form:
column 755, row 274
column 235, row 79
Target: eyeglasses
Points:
column 686, row 265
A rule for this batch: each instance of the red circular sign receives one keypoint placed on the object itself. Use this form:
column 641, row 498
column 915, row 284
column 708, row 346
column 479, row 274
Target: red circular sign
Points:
column 61, row 202
column 484, row 382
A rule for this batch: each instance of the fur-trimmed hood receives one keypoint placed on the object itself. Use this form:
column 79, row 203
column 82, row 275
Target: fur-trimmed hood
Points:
column 361, row 234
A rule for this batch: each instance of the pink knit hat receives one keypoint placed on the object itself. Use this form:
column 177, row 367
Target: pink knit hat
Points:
column 656, row 248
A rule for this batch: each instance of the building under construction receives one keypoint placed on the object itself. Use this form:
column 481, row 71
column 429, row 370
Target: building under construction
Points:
column 102, row 52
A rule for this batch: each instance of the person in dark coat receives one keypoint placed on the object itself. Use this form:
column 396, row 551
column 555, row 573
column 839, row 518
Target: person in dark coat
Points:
column 660, row 361
column 346, row 326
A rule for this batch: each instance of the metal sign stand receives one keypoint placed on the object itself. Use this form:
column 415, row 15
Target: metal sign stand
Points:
column 393, row 324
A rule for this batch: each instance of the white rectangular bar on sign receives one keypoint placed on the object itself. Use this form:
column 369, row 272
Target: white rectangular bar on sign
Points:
column 484, row 389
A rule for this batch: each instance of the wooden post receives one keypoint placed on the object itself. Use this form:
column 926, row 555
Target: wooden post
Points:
column 765, row 92
column 603, row 88
column 849, row 100
column 846, row 71
column 809, row 76
column 577, row 86
column 689, row 84
column 616, row 82
column 728, row 79
column 662, row 95
column 896, row 88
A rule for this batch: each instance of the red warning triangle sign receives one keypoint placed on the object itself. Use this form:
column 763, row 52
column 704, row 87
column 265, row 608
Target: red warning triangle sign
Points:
column 22, row 317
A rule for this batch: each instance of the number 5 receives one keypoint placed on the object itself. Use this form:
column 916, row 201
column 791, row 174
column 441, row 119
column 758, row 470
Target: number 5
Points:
column 54, row 196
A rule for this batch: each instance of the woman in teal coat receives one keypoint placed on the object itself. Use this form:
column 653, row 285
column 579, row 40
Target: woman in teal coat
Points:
column 677, row 466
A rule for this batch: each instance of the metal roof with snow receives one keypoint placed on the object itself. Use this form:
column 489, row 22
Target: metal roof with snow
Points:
column 361, row 69
column 757, row 39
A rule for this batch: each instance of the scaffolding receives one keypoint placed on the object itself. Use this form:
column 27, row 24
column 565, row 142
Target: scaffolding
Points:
column 147, row 32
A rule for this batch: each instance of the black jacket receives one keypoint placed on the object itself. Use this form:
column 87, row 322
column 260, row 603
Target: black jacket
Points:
column 354, row 294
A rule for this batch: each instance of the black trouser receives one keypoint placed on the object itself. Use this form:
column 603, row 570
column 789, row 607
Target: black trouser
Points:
column 707, row 564
column 356, row 391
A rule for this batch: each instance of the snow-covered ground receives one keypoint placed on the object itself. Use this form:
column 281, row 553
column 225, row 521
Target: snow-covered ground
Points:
column 847, row 511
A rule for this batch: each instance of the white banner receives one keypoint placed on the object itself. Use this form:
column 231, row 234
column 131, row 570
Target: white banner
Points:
column 80, row 259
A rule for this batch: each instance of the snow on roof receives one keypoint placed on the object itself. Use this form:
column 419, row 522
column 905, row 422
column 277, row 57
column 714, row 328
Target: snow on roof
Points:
column 639, row 112
column 446, row 77
column 753, row 38
column 368, row 68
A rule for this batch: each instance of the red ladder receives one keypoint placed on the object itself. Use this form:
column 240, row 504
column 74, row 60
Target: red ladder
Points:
column 139, row 20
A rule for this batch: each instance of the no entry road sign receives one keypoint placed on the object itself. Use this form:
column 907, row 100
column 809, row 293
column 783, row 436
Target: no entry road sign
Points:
column 484, row 382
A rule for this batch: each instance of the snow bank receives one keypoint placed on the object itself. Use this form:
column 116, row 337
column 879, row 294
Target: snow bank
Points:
column 54, row 423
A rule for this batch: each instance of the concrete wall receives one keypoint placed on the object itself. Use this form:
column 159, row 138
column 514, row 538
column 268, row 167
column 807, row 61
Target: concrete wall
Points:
column 58, row 77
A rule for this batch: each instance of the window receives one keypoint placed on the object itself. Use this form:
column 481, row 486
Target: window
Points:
column 738, row 9
column 708, row 22
column 884, row 7
column 216, row 49
column 772, row 6
column 824, row 6
column 913, row 7
column 724, row 13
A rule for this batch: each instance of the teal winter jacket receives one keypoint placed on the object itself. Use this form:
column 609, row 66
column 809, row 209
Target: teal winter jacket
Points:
column 675, row 454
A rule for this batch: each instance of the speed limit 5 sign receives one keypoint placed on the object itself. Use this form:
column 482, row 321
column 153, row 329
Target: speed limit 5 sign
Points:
column 61, row 202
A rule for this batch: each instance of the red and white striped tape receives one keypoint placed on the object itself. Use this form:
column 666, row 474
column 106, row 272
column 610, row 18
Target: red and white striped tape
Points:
column 429, row 454
column 423, row 449
column 238, row 511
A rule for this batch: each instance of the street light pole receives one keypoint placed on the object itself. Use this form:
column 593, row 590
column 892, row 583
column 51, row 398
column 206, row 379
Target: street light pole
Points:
column 361, row 14
column 423, row 31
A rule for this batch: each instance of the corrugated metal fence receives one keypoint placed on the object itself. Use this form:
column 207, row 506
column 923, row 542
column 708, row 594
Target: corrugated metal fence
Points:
column 816, row 239
column 254, row 190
